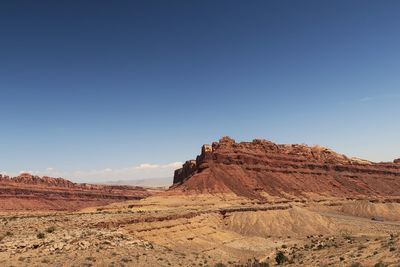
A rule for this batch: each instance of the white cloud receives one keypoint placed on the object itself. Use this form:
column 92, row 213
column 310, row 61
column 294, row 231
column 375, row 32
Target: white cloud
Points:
column 382, row 97
column 145, row 166
column 366, row 99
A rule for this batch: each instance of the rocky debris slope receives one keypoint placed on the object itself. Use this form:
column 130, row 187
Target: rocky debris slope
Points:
column 29, row 192
column 261, row 168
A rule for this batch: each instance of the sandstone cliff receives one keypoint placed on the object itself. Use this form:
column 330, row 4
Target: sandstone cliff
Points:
column 260, row 168
column 29, row 192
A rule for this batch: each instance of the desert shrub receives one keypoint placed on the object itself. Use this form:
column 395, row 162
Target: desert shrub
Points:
column 40, row 235
column 219, row 264
column 346, row 234
column 125, row 260
column 9, row 234
column 253, row 263
column 284, row 246
column 51, row 229
column 380, row 264
column 280, row 258
column 90, row 258
column 392, row 249
column 356, row 264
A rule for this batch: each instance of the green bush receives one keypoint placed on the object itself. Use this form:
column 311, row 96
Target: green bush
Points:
column 280, row 258
column 40, row 235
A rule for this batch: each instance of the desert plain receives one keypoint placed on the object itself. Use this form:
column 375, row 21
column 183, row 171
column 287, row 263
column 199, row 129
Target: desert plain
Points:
column 238, row 204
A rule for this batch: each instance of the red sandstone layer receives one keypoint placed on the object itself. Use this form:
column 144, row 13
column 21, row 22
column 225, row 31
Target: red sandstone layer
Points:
column 28, row 192
column 251, row 169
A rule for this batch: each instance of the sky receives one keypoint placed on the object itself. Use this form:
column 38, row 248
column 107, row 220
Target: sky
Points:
column 108, row 90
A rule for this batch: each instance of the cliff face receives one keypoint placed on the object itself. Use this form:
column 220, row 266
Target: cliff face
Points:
column 28, row 179
column 258, row 168
column 29, row 192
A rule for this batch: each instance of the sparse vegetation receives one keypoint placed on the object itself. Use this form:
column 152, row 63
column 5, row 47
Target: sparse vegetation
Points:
column 361, row 247
column 253, row 263
column 9, row 233
column 90, row 258
column 41, row 235
column 45, row 260
column 78, row 234
column 126, row 260
column 51, row 229
column 280, row 258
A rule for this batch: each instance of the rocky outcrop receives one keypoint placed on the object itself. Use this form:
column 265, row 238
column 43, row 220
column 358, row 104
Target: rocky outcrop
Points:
column 192, row 166
column 27, row 178
column 29, row 192
column 188, row 168
column 262, row 168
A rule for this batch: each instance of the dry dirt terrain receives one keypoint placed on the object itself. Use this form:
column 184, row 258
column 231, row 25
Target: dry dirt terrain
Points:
column 237, row 204
column 206, row 230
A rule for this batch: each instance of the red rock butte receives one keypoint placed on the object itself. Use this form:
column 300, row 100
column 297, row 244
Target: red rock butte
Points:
column 30, row 192
column 262, row 168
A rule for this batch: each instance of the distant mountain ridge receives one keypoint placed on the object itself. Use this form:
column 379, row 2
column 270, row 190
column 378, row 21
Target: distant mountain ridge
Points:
column 30, row 192
column 262, row 168
column 149, row 182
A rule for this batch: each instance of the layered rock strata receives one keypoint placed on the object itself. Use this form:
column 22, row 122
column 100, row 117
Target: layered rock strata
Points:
column 262, row 168
column 29, row 192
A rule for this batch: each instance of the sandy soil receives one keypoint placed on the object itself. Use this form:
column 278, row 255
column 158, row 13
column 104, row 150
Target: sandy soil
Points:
column 204, row 230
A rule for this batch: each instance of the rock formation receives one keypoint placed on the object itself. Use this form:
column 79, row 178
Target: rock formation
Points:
column 262, row 168
column 32, row 192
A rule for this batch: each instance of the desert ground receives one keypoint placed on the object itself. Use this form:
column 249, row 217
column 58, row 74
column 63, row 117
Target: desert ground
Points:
column 206, row 230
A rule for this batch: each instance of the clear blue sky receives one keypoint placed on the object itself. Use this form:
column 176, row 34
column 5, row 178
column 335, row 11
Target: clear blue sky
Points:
column 94, row 87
